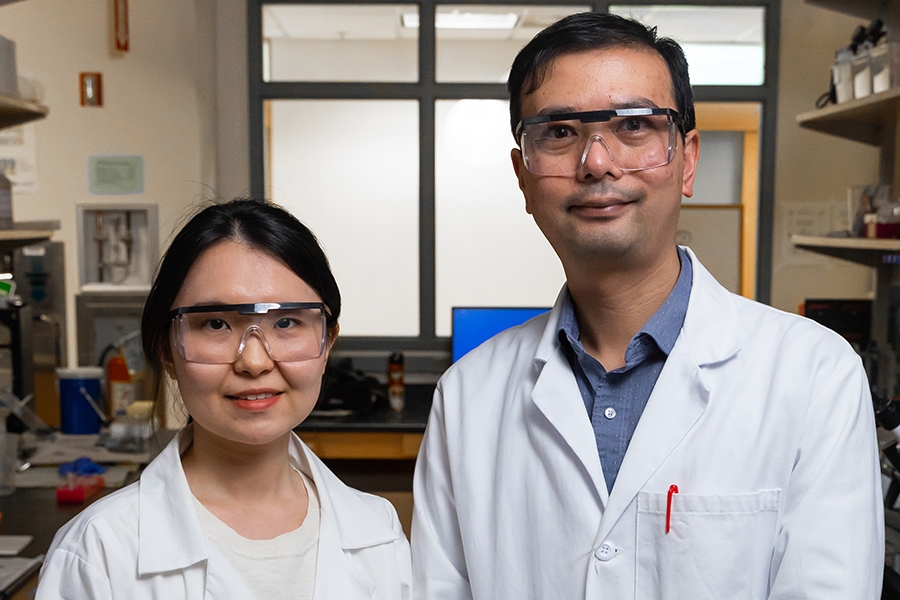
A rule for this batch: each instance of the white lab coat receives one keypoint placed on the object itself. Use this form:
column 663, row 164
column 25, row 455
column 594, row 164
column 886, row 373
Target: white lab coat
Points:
column 762, row 419
column 145, row 542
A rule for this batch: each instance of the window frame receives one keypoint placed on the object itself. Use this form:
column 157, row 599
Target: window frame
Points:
column 434, row 351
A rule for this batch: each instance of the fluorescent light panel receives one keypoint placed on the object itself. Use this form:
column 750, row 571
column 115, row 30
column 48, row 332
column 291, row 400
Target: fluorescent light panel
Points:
column 458, row 20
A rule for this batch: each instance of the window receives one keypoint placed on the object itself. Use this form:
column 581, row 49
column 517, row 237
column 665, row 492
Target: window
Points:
column 385, row 128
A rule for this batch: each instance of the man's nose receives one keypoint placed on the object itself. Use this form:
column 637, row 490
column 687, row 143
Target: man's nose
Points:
column 597, row 159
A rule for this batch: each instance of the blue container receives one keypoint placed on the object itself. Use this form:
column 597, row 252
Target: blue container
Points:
column 79, row 387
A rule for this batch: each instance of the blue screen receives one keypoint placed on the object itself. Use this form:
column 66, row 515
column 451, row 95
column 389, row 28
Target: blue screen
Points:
column 472, row 326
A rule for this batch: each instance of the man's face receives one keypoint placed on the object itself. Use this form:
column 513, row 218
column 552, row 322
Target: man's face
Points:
column 601, row 212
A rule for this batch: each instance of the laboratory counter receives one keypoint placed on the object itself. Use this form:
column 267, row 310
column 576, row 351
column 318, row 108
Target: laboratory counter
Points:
column 372, row 435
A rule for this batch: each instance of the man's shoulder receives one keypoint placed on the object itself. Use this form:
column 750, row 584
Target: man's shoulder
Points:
column 777, row 328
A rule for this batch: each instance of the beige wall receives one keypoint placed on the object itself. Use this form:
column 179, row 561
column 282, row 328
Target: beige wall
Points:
column 813, row 170
column 160, row 102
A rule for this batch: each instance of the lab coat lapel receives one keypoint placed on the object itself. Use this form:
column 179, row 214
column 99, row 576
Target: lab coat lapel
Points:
column 357, row 527
column 682, row 392
column 677, row 401
column 557, row 396
column 337, row 576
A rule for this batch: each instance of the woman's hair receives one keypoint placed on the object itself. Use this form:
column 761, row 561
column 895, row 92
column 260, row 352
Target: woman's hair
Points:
column 257, row 223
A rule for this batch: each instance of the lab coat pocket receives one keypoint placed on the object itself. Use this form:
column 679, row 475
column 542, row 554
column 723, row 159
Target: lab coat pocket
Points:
column 717, row 547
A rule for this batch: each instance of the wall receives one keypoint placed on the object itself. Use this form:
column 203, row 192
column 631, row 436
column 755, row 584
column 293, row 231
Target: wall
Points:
column 161, row 101
column 813, row 170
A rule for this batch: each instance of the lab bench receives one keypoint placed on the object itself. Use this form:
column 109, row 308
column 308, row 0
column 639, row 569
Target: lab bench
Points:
column 378, row 434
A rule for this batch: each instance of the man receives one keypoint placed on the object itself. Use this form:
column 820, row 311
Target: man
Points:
column 654, row 436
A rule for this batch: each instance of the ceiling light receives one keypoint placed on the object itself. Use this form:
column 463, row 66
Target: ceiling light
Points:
column 458, row 20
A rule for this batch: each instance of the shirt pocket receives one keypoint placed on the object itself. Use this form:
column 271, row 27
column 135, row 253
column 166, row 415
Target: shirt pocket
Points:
column 717, row 547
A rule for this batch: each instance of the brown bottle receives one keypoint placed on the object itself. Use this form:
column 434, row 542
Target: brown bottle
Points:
column 395, row 387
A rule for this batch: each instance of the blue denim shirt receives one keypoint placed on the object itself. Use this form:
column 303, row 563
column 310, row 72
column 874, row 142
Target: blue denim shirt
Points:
column 615, row 400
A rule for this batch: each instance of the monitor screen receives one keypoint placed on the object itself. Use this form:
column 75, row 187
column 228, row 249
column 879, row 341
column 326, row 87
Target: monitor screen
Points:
column 472, row 326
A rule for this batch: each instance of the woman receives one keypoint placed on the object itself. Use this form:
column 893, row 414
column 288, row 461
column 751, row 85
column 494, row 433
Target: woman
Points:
column 242, row 315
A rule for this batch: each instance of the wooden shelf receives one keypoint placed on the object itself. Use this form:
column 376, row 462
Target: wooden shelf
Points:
column 15, row 112
column 861, row 120
column 863, row 251
column 25, row 234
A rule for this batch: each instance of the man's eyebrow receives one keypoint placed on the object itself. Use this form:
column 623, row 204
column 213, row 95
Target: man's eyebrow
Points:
column 556, row 110
column 630, row 103
column 635, row 103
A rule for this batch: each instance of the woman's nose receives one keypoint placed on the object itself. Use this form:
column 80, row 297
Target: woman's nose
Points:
column 253, row 355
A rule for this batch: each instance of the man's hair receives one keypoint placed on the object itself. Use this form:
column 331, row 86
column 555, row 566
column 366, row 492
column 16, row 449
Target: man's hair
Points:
column 583, row 32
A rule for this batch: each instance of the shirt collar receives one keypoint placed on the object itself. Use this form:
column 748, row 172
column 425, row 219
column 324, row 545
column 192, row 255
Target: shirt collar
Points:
column 663, row 327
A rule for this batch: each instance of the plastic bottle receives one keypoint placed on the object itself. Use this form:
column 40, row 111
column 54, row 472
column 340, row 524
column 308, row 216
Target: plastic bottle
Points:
column 395, row 388
column 120, row 387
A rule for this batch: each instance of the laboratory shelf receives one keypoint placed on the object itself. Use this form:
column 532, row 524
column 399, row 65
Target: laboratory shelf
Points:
column 864, row 9
column 865, row 251
column 15, row 112
column 861, row 120
column 25, row 234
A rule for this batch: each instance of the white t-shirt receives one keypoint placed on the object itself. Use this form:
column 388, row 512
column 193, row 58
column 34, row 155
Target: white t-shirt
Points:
column 283, row 567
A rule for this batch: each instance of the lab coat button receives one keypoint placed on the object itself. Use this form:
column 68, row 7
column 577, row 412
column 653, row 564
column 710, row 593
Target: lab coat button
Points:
column 606, row 552
column 610, row 413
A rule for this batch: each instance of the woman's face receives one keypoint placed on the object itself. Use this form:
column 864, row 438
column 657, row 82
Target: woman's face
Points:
column 254, row 400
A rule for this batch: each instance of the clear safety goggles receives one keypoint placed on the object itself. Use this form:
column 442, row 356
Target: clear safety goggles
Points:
column 634, row 138
column 217, row 334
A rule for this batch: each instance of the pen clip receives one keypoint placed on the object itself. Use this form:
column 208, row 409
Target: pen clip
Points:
column 673, row 489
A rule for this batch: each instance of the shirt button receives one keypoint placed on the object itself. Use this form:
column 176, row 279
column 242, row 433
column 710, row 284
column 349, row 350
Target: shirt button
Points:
column 610, row 413
column 606, row 552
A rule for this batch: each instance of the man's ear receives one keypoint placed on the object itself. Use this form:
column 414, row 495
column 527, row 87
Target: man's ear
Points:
column 518, row 162
column 691, row 157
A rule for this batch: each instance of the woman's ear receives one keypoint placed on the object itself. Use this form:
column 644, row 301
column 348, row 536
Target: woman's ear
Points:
column 167, row 363
column 330, row 338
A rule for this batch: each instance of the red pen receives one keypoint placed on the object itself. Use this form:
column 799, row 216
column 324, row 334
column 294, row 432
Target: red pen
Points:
column 673, row 489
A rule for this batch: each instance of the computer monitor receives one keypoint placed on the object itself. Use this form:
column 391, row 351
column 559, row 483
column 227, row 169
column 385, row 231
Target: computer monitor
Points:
column 474, row 325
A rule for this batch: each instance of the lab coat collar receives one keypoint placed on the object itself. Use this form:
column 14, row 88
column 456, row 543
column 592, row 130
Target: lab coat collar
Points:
column 709, row 335
column 711, row 329
column 171, row 537
column 357, row 526
column 711, row 319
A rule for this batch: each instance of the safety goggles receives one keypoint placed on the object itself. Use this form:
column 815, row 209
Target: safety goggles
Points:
column 217, row 334
column 635, row 139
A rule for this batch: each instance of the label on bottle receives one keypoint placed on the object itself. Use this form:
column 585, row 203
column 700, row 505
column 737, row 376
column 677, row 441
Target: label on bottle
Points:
column 122, row 394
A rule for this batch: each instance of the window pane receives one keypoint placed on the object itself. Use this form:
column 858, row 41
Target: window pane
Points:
column 720, row 170
column 339, row 42
column 479, row 43
column 350, row 170
column 723, row 45
column 489, row 252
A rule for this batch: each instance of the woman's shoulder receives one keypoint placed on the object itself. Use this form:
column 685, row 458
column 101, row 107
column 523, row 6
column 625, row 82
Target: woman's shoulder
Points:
column 112, row 517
